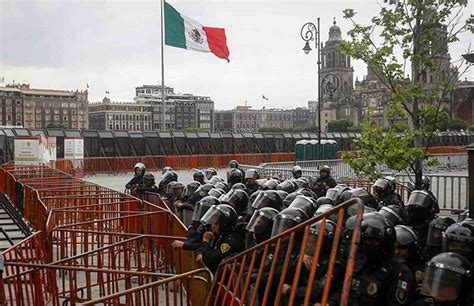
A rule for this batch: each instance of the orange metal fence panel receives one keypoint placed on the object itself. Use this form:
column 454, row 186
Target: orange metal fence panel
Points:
column 256, row 278
column 97, row 241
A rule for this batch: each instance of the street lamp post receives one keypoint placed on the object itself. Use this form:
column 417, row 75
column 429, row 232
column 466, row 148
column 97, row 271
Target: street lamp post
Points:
column 310, row 32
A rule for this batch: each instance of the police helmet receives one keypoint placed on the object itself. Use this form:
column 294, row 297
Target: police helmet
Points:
column 459, row 238
column 198, row 176
column 148, row 176
column 287, row 186
column 202, row 206
column 210, row 172
column 268, row 198
column 224, row 214
column 222, row 185
column 140, row 166
column 286, row 219
column 436, row 229
column 444, row 277
column 296, row 171
column 395, row 214
column 261, row 220
column 166, row 169
column 236, row 176
column 237, row 198
column 233, row 164
column 381, row 186
column 191, row 188
column 305, row 204
column 271, row 184
column 238, row 186
column 326, row 169
column 215, row 192
column 301, row 182
column 251, row 174
column 377, row 235
column 425, row 183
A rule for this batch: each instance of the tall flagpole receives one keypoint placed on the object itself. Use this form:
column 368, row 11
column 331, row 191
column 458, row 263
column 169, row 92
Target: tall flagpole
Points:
column 163, row 109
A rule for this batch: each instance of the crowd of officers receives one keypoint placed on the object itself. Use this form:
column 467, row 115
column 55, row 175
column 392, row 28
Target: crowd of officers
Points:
column 407, row 254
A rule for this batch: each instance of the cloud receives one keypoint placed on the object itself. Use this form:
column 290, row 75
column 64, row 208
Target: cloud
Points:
column 115, row 46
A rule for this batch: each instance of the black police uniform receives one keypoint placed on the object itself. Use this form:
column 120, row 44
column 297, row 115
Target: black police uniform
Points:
column 193, row 238
column 390, row 199
column 219, row 248
column 152, row 189
column 388, row 282
column 323, row 184
column 135, row 181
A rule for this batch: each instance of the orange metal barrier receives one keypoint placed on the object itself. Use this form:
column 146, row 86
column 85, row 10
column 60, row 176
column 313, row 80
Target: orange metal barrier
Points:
column 258, row 275
column 158, row 293
column 154, row 163
column 20, row 286
column 98, row 242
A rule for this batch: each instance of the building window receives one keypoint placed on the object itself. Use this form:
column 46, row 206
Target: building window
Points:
column 64, row 118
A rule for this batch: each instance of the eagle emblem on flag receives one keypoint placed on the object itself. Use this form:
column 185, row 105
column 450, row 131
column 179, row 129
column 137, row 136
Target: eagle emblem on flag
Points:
column 196, row 36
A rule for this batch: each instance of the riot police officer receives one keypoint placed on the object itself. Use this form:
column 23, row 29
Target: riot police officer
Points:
column 139, row 170
column 196, row 230
column 459, row 238
column 261, row 223
column 384, row 194
column 434, row 240
column 166, row 178
column 395, row 214
column 297, row 172
column 166, row 169
column 219, row 241
column 148, row 184
column 238, row 199
column 426, row 185
column 250, row 181
column 378, row 278
column 185, row 206
column 198, row 176
column 420, row 213
column 269, row 198
column 236, row 176
column 448, row 281
column 324, row 181
column 408, row 249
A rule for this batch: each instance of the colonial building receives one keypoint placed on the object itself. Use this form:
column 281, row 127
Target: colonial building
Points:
column 131, row 116
column 181, row 110
column 38, row 108
column 246, row 119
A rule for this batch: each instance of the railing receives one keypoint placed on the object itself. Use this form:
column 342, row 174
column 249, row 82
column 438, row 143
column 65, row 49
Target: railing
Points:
column 154, row 163
column 98, row 243
column 258, row 275
column 158, row 292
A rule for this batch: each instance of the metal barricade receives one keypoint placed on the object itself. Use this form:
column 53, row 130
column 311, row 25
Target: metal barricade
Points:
column 98, row 243
column 257, row 276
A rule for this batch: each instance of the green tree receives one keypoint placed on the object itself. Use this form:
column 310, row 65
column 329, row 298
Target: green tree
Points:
column 340, row 126
column 410, row 31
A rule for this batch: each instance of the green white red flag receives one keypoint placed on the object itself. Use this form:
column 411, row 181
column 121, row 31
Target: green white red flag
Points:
column 183, row 32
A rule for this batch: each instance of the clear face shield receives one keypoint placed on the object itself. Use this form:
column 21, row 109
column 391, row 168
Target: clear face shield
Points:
column 442, row 283
column 283, row 223
column 212, row 215
column 259, row 222
column 261, row 201
column 200, row 210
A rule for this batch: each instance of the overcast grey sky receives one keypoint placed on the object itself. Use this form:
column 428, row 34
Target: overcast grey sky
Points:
column 115, row 46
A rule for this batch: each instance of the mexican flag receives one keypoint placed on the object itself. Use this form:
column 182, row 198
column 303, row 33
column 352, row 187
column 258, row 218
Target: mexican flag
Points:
column 183, row 32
